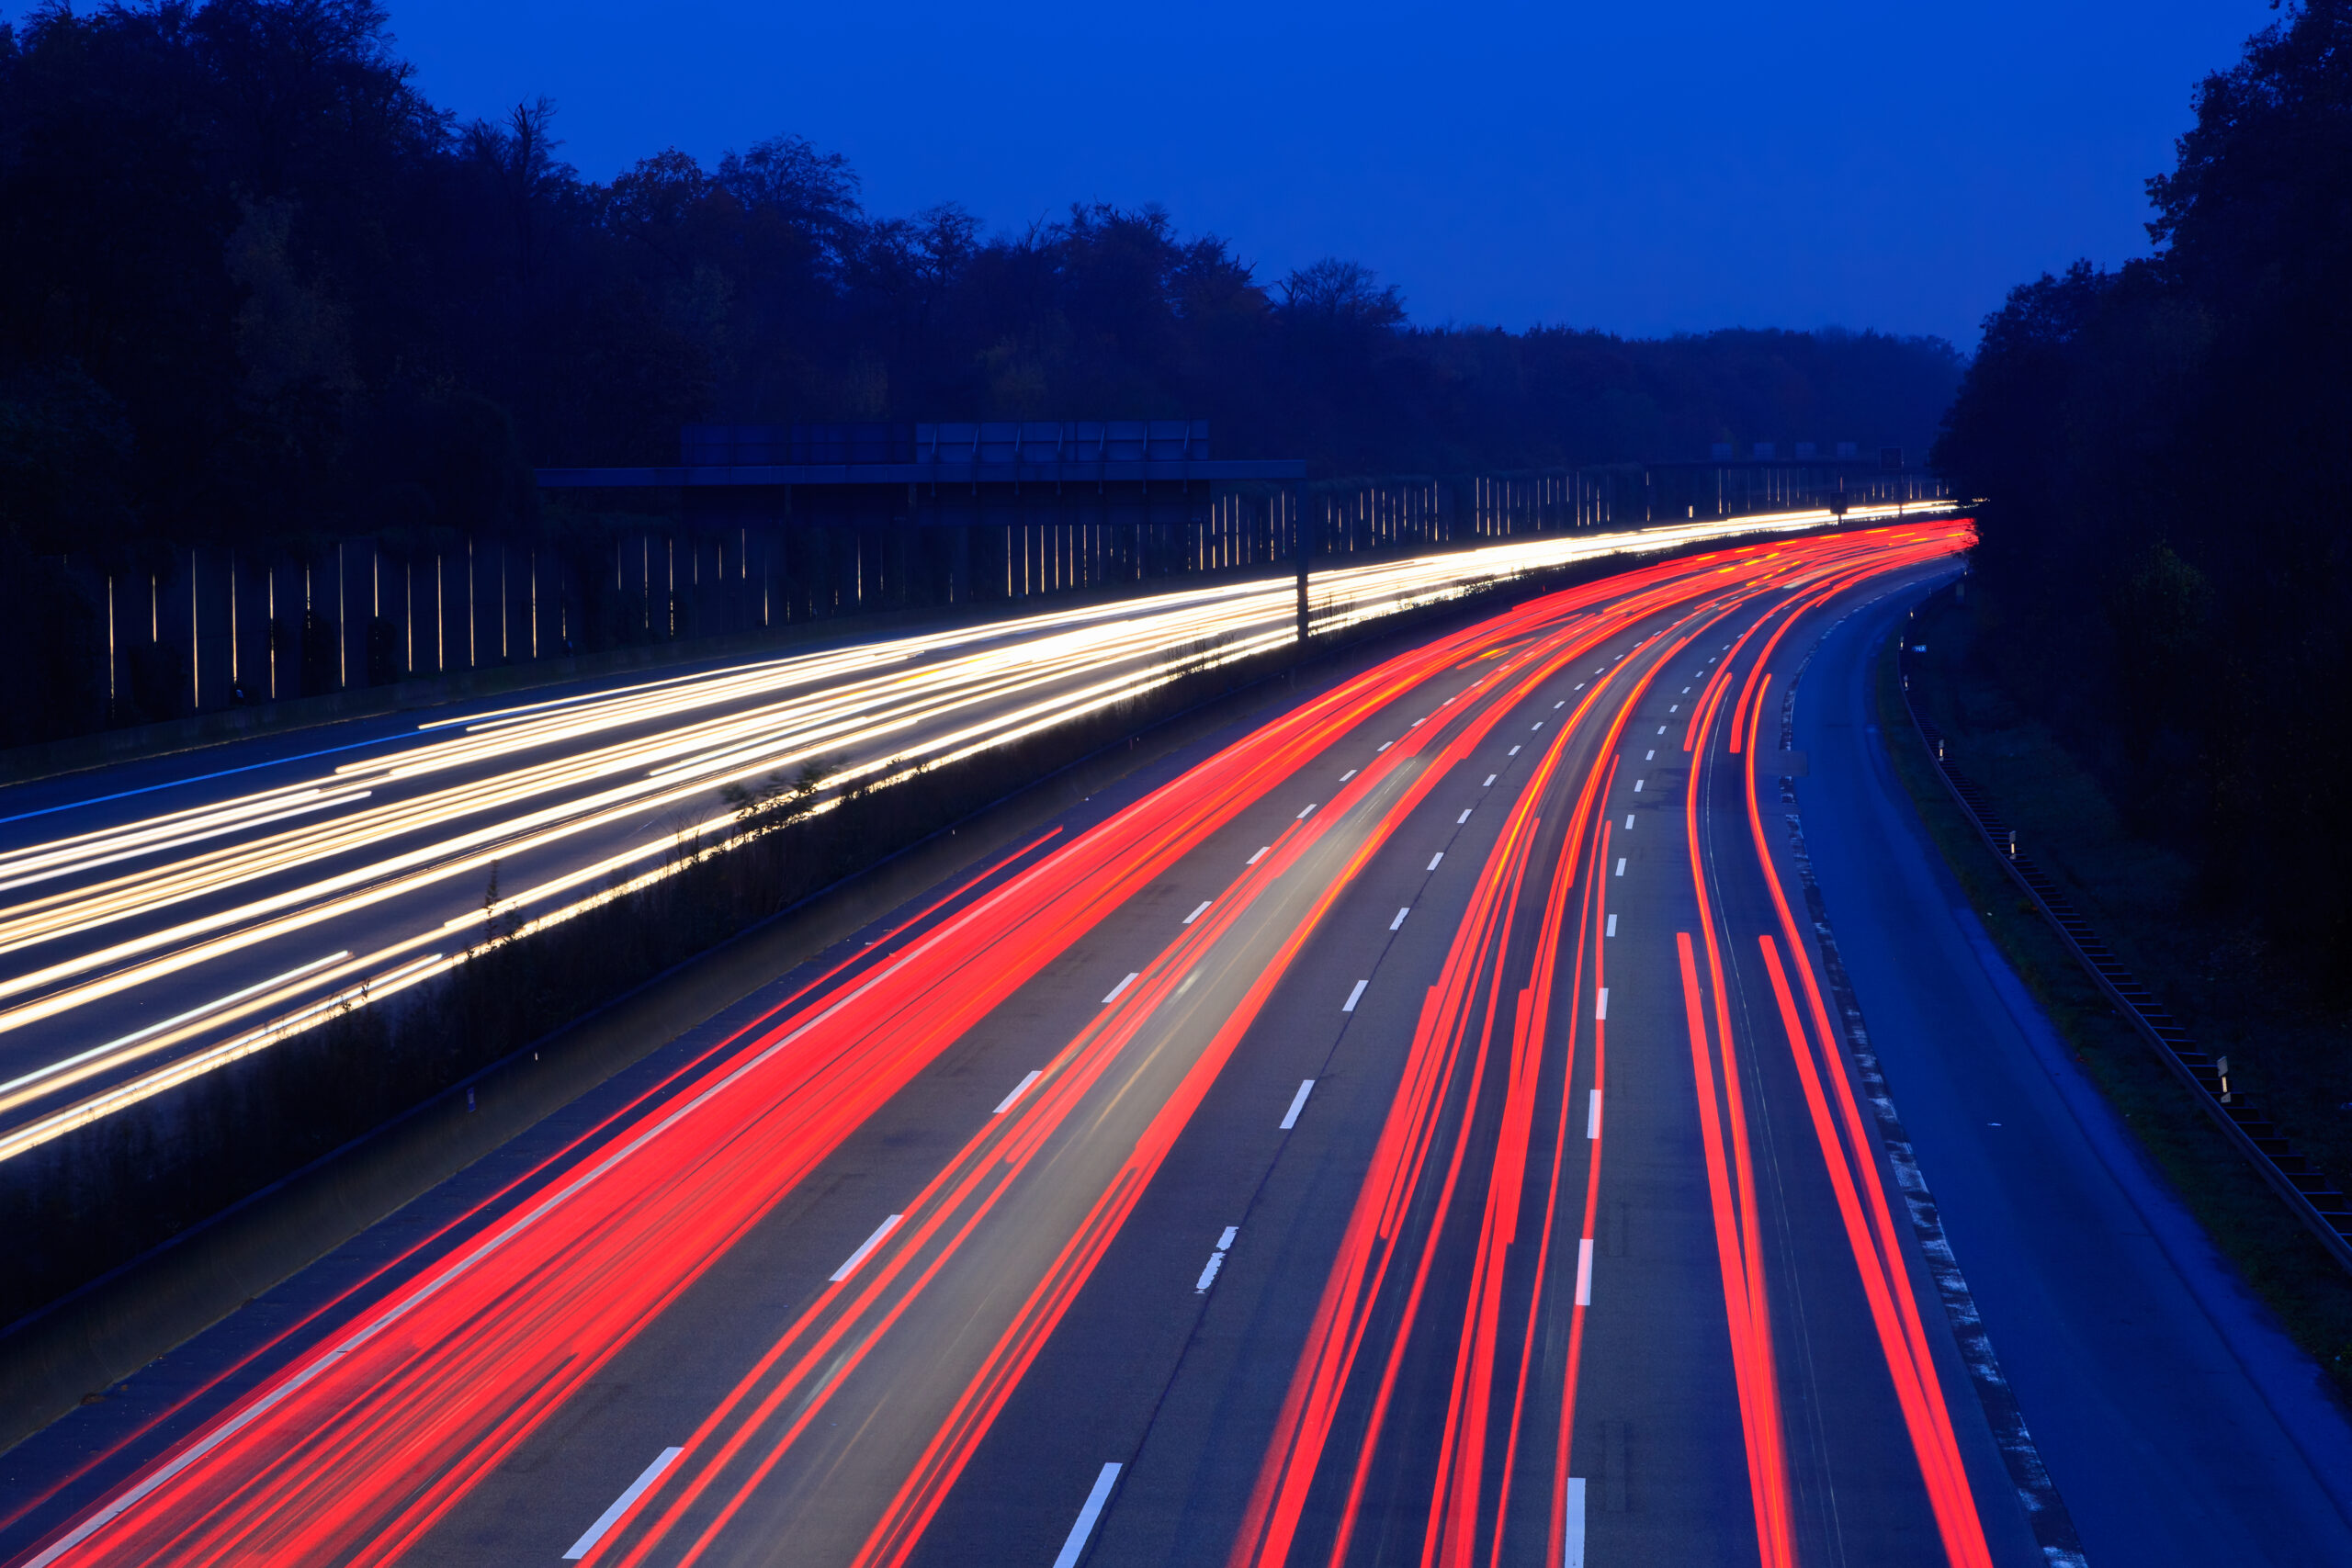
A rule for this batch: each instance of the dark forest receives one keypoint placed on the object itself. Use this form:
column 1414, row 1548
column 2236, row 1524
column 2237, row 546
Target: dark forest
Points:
column 255, row 287
column 2165, row 568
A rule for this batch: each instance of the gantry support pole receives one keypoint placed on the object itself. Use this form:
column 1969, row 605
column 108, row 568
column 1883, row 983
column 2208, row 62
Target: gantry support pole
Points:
column 1304, row 549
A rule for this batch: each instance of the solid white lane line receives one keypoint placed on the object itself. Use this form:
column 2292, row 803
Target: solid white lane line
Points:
column 1306, row 1088
column 1354, row 996
column 1197, row 913
column 1018, row 1090
column 1611, row 932
column 1253, row 859
column 849, row 1268
column 1620, row 865
column 1075, row 1547
column 1584, row 1272
column 1600, row 1005
column 1490, row 782
column 1592, row 1114
column 646, row 1477
column 1303, row 815
column 1572, row 1524
column 1435, row 858
column 1122, row 986
column 1346, row 777
column 1463, row 817
column 1400, row 917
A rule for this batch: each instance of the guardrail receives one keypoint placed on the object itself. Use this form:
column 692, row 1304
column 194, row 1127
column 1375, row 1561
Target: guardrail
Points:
column 2306, row 1190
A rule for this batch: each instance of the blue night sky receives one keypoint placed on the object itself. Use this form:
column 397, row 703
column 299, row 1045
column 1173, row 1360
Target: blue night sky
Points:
column 1644, row 169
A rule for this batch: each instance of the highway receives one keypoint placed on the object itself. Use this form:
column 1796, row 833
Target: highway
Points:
column 1415, row 1131
column 162, row 919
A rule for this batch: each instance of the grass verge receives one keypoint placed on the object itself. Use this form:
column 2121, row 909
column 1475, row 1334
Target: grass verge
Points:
column 2143, row 909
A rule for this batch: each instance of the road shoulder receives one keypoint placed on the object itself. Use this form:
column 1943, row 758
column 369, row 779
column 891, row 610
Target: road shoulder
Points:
column 2176, row 1418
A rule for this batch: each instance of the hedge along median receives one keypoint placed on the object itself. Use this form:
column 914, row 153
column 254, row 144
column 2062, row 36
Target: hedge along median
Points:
column 95, row 1200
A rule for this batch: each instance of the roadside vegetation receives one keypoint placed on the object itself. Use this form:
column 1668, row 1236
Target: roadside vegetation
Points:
column 258, row 293
column 2152, row 671
column 2287, row 1045
column 2164, row 577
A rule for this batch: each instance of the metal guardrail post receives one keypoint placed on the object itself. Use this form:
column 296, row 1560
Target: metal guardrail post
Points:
column 2306, row 1190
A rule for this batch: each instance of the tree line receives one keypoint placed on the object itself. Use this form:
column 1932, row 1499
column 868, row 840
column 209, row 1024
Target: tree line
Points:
column 2165, row 568
column 254, row 285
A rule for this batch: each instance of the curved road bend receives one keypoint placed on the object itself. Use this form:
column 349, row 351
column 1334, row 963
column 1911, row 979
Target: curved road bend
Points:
column 162, row 917
column 2179, row 1424
column 1415, row 1132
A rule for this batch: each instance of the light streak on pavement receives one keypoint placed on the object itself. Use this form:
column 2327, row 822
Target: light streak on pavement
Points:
column 1465, row 1279
column 128, row 914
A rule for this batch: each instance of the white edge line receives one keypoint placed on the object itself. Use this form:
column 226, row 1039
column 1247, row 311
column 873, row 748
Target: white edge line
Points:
column 1018, row 1090
column 885, row 1228
column 1076, row 1545
column 1297, row 1104
column 604, row 1521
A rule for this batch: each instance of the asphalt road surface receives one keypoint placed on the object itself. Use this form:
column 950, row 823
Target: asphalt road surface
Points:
column 1424, row 1129
column 161, row 919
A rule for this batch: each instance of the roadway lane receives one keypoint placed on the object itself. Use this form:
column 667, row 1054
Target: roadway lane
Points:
column 2180, row 1425
column 1119, row 1260
column 162, row 919
column 1658, row 1383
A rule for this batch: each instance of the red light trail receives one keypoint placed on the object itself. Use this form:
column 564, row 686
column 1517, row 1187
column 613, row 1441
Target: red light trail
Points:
column 365, row 1426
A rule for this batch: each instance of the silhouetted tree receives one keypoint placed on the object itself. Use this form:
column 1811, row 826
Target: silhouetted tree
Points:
column 2165, row 560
